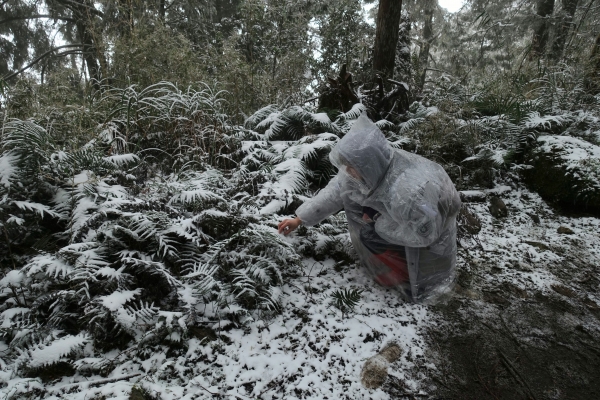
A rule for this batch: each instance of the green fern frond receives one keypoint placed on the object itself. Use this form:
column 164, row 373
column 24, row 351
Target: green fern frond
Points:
column 346, row 300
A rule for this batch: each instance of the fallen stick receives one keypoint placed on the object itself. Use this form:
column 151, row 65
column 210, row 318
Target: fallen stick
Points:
column 93, row 383
column 515, row 373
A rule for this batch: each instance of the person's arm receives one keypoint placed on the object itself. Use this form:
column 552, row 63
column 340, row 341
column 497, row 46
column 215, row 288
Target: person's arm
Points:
column 325, row 203
column 315, row 210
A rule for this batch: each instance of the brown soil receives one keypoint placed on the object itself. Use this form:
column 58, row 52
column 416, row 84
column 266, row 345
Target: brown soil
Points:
column 517, row 345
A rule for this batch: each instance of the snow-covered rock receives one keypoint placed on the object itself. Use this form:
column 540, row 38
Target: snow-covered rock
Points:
column 566, row 170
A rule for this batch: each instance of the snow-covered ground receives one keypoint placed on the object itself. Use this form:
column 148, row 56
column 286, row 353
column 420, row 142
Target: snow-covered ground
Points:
column 312, row 351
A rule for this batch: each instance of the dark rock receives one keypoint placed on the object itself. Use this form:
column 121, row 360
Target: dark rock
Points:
column 497, row 207
column 564, row 230
column 563, row 179
column 203, row 332
column 534, row 218
column 565, row 291
column 468, row 220
column 539, row 245
column 495, row 298
column 138, row 393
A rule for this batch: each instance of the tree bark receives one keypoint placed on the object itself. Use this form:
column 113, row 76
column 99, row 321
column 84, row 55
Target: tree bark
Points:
column 593, row 78
column 84, row 13
column 403, row 70
column 427, row 38
column 386, row 36
column 162, row 11
column 544, row 11
column 563, row 28
column 89, row 53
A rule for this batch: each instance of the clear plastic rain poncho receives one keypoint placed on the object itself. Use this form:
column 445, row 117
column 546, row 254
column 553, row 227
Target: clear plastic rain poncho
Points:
column 401, row 211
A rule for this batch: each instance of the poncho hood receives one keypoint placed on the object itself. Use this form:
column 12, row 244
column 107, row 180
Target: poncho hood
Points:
column 366, row 149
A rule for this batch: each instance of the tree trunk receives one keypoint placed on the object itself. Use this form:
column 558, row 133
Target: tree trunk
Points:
column 403, row 70
column 89, row 53
column 161, row 10
column 427, row 38
column 593, row 78
column 544, row 11
column 563, row 28
column 386, row 36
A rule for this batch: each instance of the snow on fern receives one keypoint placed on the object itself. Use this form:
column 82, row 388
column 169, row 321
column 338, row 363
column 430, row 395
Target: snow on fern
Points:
column 120, row 160
column 49, row 265
column 535, row 120
column 7, row 169
column 118, row 299
column 55, row 351
column 38, row 208
column 12, row 278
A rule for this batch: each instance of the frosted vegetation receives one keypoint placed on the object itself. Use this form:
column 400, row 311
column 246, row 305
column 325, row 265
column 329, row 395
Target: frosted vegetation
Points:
column 139, row 201
column 160, row 217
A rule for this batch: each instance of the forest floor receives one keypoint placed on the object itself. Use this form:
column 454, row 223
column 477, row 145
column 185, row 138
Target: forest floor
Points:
column 522, row 323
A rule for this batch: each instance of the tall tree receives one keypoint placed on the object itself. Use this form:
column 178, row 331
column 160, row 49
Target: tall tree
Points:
column 76, row 19
column 403, row 69
column 563, row 28
column 24, row 34
column 345, row 38
column 544, row 10
column 84, row 13
column 593, row 77
column 428, row 9
column 386, row 36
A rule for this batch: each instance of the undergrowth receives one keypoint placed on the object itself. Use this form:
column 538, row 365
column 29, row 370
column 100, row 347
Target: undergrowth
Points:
column 147, row 215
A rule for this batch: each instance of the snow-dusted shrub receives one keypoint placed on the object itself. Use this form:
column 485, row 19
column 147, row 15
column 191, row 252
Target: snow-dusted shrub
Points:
column 177, row 128
column 117, row 244
column 477, row 132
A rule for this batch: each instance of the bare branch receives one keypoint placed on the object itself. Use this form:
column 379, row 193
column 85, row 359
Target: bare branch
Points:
column 7, row 77
column 4, row 21
column 77, row 7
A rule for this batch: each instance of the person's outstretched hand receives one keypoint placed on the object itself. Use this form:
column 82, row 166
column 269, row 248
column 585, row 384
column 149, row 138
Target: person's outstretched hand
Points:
column 288, row 226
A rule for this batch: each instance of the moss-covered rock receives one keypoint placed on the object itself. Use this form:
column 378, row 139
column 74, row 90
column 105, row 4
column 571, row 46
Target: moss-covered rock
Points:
column 566, row 170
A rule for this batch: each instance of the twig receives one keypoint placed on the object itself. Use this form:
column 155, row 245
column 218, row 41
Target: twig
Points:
column 515, row 373
column 594, row 348
column 94, row 383
column 481, row 381
column 512, row 336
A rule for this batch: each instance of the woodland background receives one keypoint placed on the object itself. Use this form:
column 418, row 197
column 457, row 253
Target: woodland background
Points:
column 149, row 149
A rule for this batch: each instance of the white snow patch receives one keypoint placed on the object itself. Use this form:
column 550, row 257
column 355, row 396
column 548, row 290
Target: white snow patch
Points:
column 56, row 350
column 118, row 299
column 13, row 278
column 7, row 168
column 122, row 159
